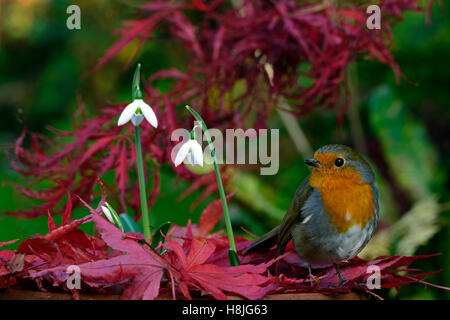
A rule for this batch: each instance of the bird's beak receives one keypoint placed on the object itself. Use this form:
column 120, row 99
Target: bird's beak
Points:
column 313, row 163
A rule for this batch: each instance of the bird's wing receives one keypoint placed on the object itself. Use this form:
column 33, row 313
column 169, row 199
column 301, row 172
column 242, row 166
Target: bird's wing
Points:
column 266, row 241
column 293, row 215
column 281, row 234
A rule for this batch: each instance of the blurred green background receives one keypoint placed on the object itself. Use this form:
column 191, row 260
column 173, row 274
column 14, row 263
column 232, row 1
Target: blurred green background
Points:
column 403, row 128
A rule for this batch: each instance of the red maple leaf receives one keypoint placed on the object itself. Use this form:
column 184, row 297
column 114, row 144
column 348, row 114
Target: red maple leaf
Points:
column 136, row 263
column 196, row 272
column 194, row 262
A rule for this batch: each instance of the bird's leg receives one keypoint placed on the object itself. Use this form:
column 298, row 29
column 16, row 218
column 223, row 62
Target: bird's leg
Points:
column 315, row 279
column 310, row 274
column 341, row 278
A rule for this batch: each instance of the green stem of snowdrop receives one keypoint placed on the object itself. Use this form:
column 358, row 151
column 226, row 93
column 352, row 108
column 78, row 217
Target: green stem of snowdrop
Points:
column 142, row 189
column 232, row 252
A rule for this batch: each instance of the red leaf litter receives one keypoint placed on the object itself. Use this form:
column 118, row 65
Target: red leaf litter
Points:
column 308, row 44
column 190, row 264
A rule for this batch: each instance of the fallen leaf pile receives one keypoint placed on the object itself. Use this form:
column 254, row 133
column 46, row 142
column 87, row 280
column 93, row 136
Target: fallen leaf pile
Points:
column 191, row 263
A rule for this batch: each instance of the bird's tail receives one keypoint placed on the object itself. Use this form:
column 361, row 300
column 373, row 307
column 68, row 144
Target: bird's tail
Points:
column 266, row 241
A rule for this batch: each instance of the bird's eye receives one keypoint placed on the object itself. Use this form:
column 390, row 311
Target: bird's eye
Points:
column 339, row 162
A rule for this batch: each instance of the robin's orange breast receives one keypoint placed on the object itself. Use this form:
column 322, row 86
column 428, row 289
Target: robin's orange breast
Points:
column 347, row 201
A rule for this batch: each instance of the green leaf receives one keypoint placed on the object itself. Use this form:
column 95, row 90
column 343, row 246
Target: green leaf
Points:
column 259, row 196
column 128, row 223
column 410, row 154
column 157, row 236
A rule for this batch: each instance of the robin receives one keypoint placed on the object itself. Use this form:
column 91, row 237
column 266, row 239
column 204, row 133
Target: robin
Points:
column 334, row 211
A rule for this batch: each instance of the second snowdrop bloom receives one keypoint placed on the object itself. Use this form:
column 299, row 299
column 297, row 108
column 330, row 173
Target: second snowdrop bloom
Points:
column 136, row 111
column 108, row 214
column 192, row 151
column 112, row 216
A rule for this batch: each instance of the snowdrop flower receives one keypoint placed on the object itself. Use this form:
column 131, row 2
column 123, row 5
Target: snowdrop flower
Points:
column 108, row 214
column 112, row 216
column 136, row 111
column 192, row 151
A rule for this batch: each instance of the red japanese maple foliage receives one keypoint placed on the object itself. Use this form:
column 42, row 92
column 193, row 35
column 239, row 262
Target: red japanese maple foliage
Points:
column 308, row 44
column 191, row 263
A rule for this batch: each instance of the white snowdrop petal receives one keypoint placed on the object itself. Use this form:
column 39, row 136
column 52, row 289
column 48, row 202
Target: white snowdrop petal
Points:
column 149, row 114
column 127, row 113
column 190, row 159
column 182, row 153
column 197, row 152
column 107, row 214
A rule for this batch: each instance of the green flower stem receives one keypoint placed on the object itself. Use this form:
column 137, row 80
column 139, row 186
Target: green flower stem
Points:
column 232, row 254
column 143, row 193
